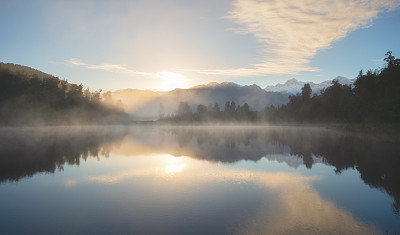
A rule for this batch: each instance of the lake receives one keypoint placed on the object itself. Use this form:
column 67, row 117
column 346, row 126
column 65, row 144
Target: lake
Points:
column 197, row 180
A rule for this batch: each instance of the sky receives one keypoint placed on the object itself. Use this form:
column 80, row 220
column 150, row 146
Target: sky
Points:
column 167, row 44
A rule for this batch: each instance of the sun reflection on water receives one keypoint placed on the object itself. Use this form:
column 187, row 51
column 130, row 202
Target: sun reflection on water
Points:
column 174, row 169
column 292, row 197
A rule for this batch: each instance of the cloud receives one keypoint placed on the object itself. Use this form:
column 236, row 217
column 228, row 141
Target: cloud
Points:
column 291, row 32
column 166, row 80
column 113, row 68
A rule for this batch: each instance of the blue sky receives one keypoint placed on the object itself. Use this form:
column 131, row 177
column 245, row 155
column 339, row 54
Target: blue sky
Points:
column 160, row 45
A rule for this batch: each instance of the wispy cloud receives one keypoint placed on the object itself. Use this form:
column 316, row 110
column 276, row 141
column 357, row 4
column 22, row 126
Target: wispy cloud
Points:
column 166, row 80
column 291, row 32
column 114, row 68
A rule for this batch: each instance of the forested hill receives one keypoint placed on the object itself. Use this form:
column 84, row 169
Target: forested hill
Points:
column 373, row 98
column 28, row 71
column 31, row 97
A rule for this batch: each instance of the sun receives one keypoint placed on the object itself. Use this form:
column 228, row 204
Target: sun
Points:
column 174, row 169
column 172, row 80
column 173, row 165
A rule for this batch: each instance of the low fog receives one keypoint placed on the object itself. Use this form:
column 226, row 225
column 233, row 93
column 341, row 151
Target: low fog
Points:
column 26, row 151
column 150, row 105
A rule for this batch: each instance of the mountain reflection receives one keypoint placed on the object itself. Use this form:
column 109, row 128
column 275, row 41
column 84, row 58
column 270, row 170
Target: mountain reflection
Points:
column 27, row 151
column 286, row 196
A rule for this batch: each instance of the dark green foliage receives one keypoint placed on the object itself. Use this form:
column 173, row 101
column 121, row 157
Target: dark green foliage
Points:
column 184, row 112
column 230, row 110
column 27, row 99
column 375, row 98
column 378, row 92
column 212, row 113
column 306, row 91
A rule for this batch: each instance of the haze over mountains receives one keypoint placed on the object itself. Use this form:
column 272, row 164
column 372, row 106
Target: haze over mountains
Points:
column 149, row 105
column 31, row 97
column 294, row 86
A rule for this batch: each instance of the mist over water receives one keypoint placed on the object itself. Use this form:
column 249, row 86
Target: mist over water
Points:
column 198, row 179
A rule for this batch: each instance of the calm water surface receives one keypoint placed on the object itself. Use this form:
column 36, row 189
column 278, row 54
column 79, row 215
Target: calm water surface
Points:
column 197, row 180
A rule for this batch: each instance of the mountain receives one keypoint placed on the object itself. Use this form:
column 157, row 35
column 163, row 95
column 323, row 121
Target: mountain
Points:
column 132, row 99
column 155, row 103
column 148, row 105
column 294, row 86
column 27, row 71
column 31, row 97
column 141, row 104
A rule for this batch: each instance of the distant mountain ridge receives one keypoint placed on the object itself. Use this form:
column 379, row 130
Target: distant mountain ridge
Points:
column 294, row 86
column 148, row 105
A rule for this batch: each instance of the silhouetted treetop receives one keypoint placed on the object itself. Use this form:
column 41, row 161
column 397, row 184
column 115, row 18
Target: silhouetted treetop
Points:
column 28, row 96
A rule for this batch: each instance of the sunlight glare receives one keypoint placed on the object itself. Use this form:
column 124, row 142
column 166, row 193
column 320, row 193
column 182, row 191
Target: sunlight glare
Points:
column 173, row 169
column 172, row 80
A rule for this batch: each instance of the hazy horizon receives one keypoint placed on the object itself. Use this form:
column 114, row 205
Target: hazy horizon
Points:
column 165, row 45
column 200, row 117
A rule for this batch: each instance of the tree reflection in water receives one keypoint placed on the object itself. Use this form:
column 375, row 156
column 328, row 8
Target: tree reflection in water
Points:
column 27, row 151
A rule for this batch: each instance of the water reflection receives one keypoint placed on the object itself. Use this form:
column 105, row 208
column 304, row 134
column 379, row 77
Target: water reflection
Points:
column 289, row 205
column 159, row 153
column 160, row 165
column 27, row 151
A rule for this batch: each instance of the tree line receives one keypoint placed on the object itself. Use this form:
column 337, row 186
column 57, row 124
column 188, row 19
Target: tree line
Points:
column 30, row 99
column 373, row 98
column 211, row 113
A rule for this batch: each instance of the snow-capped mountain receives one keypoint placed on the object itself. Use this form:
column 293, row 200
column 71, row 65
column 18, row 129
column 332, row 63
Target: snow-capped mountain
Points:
column 294, row 86
column 145, row 105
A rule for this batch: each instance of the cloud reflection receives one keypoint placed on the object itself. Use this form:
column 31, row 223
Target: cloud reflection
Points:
column 292, row 206
column 159, row 165
column 173, row 169
column 137, row 160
